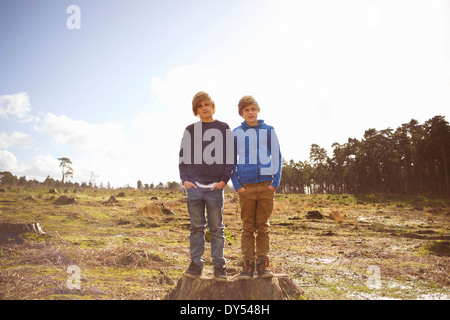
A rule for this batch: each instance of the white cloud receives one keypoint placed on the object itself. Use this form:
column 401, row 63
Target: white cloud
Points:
column 38, row 167
column 16, row 138
column 42, row 166
column 108, row 155
column 15, row 104
column 155, row 158
column 8, row 162
column 82, row 134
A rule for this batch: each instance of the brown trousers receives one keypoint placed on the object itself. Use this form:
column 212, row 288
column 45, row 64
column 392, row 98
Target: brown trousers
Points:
column 256, row 208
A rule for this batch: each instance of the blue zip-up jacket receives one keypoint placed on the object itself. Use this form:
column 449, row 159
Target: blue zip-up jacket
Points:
column 257, row 155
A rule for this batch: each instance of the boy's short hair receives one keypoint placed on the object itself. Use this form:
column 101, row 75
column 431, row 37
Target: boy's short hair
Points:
column 245, row 102
column 198, row 98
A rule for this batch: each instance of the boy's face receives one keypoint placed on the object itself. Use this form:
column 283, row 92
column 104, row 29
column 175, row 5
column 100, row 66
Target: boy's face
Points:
column 205, row 111
column 250, row 115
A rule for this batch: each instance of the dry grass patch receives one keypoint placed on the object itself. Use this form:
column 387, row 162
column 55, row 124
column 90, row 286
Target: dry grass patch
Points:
column 150, row 210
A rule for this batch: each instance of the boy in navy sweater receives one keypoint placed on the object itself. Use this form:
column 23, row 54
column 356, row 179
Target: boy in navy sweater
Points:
column 256, row 177
column 205, row 168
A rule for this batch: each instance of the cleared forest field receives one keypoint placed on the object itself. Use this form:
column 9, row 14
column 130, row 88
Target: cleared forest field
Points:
column 136, row 245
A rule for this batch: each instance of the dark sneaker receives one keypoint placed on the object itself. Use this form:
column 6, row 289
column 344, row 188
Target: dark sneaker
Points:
column 220, row 273
column 194, row 270
column 264, row 270
column 247, row 270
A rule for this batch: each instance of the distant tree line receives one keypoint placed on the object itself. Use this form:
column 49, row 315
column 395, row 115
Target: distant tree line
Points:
column 172, row 186
column 7, row 179
column 414, row 158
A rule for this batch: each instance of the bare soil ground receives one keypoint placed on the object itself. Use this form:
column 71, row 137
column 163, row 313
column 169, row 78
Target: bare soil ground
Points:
column 132, row 247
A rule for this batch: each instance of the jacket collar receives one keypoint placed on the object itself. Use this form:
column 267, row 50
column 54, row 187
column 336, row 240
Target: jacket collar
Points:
column 259, row 125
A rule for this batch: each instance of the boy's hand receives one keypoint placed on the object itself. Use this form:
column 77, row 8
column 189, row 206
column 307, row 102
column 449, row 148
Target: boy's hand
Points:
column 219, row 185
column 189, row 185
column 240, row 190
column 272, row 188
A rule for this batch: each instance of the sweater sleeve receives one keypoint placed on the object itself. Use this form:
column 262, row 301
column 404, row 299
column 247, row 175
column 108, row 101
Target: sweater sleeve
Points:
column 184, row 157
column 229, row 155
column 276, row 159
column 234, row 179
column 234, row 176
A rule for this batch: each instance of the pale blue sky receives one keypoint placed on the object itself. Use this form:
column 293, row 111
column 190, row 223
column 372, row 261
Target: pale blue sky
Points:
column 115, row 95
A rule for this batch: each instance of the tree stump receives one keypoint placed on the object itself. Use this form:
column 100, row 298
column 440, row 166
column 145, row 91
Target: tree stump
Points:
column 19, row 228
column 112, row 200
column 280, row 287
column 314, row 215
column 166, row 211
column 13, row 231
column 65, row 200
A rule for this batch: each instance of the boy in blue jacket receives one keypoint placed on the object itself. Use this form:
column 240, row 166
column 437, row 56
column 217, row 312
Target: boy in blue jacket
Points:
column 256, row 177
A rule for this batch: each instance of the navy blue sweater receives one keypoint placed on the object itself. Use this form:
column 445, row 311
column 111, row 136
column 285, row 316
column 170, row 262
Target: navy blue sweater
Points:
column 204, row 153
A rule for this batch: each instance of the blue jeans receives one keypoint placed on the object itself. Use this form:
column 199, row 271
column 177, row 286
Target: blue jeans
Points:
column 197, row 201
